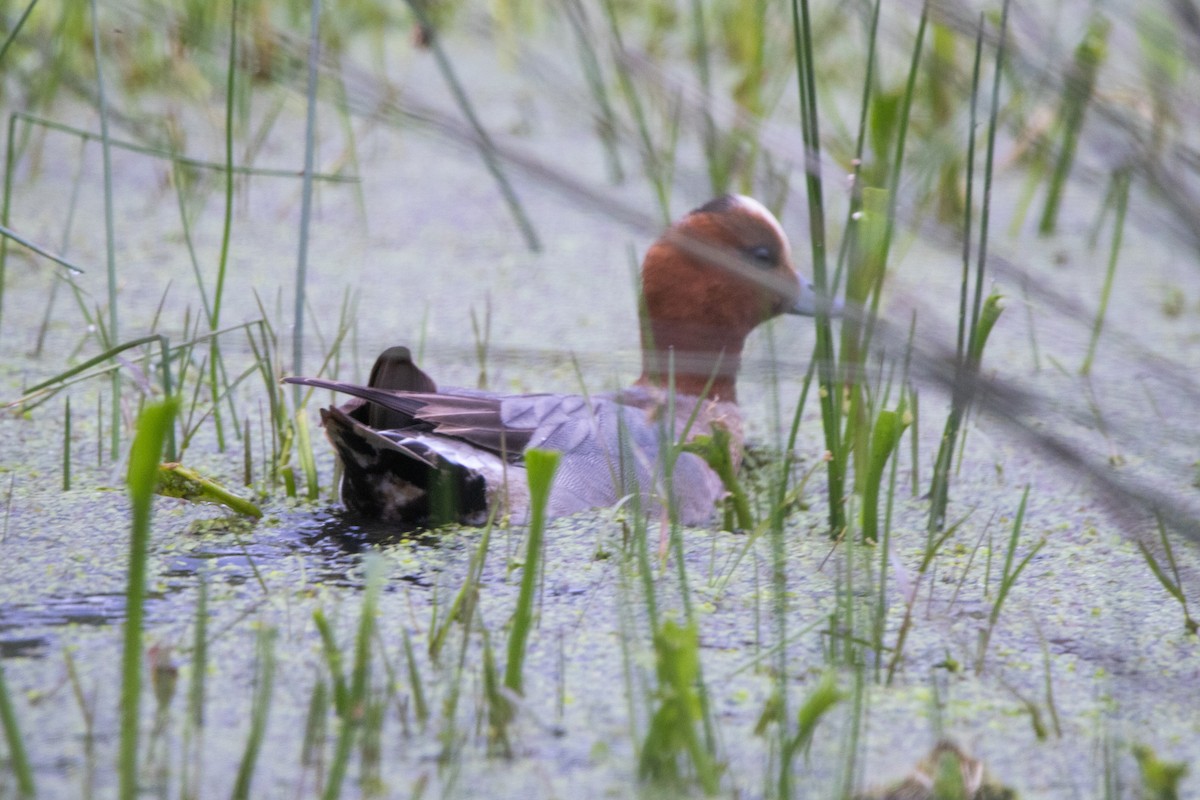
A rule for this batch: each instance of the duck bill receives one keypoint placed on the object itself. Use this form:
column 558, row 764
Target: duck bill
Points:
column 809, row 302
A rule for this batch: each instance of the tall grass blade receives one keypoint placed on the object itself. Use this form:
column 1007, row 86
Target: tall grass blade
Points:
column 606, row 123
column 333, row 657
column 353, row 715
column 26, row 787
column 155, row 420
column 1077, row 93
column 416, row 685
column 310, row 133
column 227, row 222
column 970, row 338
column 304, row 453
column 109, row 231
column 8, row 233
column 818, row 703
column 540, row 466
column 1121, row 180
column 1008, row 577
column 66, row 451
column 260, row 707
column 1171, row 583
column 12, row 34
column 194, row 725
column 672, row 730
column 483, row 140
column 828, row 385
column 885, row 436
column 652, row 161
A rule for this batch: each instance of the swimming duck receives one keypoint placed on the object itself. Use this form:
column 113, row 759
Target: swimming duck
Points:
column 419, row 455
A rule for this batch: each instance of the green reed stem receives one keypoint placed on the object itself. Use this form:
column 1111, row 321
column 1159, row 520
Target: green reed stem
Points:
column 1008, row 577
column 827, row 382
column 66, row 451
column 310, row 133
column 109, row 231
column 12, row 35
column 651, row 162
column 1121, row 180
column 227, row 222
column 193, row 748
column 16, row 744
column 168, row 386
column 260, row 707
column 416, row 685
column 333, row 658
column 607, row 119
column 152, row 428
column 8, row 233
column 1172, row 582
column 1077, row 93
column 351, row 722
column 540, row 466
column 487, row 149
column 167, row 154
column 970, row 339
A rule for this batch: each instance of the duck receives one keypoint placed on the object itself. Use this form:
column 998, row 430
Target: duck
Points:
column 417, row 455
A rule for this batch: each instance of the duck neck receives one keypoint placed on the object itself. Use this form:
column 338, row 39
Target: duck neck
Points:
column 700, row 366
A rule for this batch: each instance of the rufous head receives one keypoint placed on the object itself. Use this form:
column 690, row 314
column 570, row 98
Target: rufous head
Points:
column 714, row 276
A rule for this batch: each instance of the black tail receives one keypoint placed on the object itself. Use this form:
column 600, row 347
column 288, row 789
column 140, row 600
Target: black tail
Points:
column 402, row 479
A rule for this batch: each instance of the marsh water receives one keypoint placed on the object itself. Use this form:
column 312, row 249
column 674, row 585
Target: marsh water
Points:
column 1089, row 656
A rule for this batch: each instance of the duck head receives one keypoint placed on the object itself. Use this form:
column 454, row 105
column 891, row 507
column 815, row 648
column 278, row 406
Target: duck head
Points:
column 707, row 282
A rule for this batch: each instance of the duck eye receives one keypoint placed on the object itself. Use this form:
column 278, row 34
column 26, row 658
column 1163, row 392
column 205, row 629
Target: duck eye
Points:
column 763, row 256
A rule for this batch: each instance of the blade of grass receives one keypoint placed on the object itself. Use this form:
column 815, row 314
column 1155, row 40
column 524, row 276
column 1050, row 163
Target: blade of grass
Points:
column 8, row 233
column 487, row 149
column 310, row 133
column 540, row 467
column 260, row 707
column 824, row 696
column 606, row 122
column 1077, row 93
column 167, row 154
column 1173, row 587
column 888, row 428
column 828, row 385
column 109, row 230
column 970, row 339
column 12, row 34
column 352, row 720
column 26, row 788
column 1008, row 577
column 153, row 423
column 417, row 686
column 66, row 451
column 1121, row 180
column 193, row 748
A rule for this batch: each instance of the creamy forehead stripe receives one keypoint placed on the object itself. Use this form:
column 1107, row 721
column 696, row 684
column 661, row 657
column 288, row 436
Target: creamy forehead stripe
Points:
column 758, row 209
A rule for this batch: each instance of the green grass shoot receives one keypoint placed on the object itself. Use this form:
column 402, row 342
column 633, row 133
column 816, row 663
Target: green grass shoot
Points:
column 356, row 694
column 1008, row 577
column 673, row 728
column 540, row 466
column 1172, row 583
column 1080, row 82
column 155, row 420
column 26, row 787
column 885, row 436
column 1121, row 181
